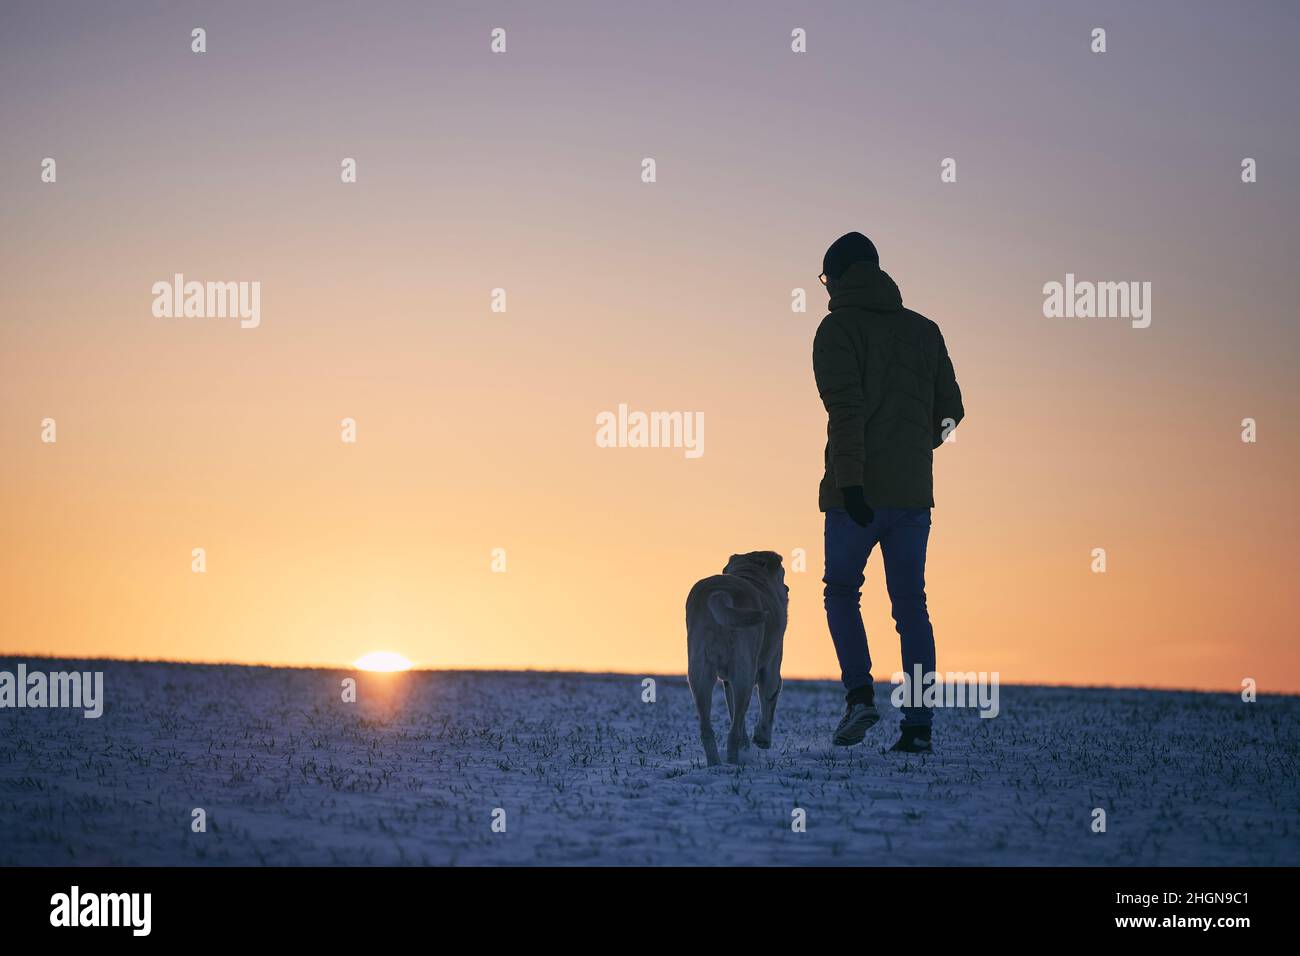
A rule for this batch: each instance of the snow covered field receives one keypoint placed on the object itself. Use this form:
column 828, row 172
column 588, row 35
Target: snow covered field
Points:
column 586, row 773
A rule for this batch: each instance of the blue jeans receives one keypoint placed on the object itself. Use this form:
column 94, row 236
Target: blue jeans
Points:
column 903, row 534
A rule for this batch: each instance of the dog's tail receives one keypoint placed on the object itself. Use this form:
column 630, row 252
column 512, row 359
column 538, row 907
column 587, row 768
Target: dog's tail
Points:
column 728, row 615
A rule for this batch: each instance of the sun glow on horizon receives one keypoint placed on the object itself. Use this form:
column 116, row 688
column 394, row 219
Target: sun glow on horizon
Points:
column 384, row 661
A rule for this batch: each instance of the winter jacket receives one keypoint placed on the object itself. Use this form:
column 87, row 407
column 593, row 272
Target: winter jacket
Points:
column 890, row 393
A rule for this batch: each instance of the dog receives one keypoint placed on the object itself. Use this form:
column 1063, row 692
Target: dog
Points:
column 735, row 632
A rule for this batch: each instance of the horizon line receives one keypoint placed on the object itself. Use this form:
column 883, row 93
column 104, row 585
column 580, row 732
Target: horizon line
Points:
column 601, row 673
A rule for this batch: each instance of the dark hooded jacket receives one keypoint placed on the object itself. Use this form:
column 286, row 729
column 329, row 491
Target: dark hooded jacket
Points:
column 890, row 393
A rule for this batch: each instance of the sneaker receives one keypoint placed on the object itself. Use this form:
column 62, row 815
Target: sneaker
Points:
column 913, row 740
column 857, row 720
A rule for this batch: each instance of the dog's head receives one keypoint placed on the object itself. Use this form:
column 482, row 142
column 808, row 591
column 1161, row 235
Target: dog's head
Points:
column 764, row 565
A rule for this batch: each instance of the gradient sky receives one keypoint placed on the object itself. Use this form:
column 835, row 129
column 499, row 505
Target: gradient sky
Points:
column 476, row 430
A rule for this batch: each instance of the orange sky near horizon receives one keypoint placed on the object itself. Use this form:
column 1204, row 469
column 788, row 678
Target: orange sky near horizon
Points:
column 476, row 430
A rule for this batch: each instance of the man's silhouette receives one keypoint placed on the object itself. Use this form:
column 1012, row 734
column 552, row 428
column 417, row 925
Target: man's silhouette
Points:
column 891, row 396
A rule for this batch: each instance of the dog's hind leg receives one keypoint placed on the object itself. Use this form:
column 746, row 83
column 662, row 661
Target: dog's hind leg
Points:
column 702, row 682
column 769, row 689
column 737, row 739
column 730, row 693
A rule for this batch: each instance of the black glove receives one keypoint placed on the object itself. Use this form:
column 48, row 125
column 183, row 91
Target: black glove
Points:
column 857, row 506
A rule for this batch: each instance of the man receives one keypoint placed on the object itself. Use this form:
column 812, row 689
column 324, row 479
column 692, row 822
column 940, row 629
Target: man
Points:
column 891, row 396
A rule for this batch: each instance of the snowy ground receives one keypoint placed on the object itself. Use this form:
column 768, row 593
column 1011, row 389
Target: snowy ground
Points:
column 589, row 774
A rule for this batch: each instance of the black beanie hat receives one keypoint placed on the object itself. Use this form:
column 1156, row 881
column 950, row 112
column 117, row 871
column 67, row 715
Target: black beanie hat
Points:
column 847, row 249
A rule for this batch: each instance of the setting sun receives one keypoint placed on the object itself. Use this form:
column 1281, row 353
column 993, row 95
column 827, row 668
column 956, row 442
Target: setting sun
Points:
column 382, row 661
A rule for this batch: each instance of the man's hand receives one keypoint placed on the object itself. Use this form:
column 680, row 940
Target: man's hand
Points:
column 857, row 506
